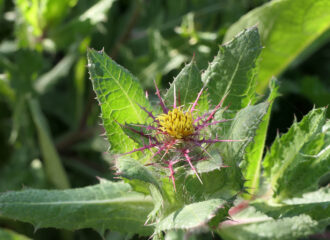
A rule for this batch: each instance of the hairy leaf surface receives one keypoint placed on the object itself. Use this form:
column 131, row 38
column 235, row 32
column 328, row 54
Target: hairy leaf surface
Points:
column 232, row 72
column 133, row 170
column 119, row 94
column 187, row 85
column 193, row 215
column 242, row 128
column 107, row 205
column 298, row 159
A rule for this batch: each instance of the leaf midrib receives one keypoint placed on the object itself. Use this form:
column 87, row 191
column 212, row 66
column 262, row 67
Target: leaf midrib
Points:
column 121, row 88
column 87, row 202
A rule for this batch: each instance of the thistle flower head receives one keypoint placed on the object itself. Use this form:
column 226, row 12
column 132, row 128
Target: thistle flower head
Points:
column 177, row 135
column 176, row 123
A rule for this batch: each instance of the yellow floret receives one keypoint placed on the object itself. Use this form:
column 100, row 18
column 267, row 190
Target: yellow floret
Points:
column 176, row 123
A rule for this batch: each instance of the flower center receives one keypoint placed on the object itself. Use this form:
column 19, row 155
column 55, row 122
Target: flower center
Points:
column 176, row 123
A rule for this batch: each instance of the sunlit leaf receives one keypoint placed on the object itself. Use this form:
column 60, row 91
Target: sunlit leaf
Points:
column 119, row 94
column 255, row 150
column 232, row 72
column 287, row 27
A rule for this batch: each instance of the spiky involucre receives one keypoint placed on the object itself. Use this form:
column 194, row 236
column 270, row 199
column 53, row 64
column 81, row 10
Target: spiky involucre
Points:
column 177, row 136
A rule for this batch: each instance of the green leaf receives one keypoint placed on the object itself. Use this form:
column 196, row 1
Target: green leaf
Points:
column 187, row 85
column 193, row 215
column 158, row 200
column 315, row 204
column 255, row 150
column 133, row 131
column 219, row 180
column 308, row 168
column 298, row 159
column 262, row 227
column 107, row 205
column 243, row 127
column 232, row 72
column 119, row 94
column 53, row 165
column 134, row 170
column 6, row 234
column 286, row 27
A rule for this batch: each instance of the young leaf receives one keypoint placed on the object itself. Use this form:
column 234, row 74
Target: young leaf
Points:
column 232, row 72
column 313, row 161
column 242, row 128
column 286, row 27
column 291, row 165
column 187, row 86
column 254, row 151
column 107, row 205
column 119, row 94
column 193, row 216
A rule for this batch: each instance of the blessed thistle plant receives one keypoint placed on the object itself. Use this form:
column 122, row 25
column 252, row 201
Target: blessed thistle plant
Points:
column 177, row 135
column 193, row 131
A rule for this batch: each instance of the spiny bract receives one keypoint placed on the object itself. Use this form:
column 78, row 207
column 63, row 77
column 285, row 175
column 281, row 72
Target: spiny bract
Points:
column 177, row 135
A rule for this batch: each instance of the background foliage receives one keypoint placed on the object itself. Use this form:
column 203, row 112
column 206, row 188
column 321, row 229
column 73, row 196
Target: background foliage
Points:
column 49, row 120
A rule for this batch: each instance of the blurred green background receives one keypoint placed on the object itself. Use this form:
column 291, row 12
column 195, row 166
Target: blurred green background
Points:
column 49, row 118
